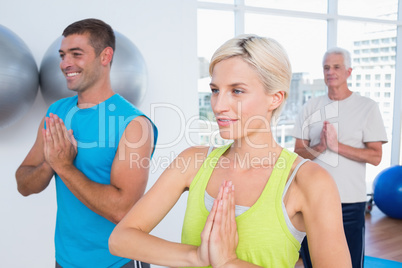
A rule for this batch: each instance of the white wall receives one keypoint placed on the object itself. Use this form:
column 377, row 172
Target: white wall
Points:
column 165, row 33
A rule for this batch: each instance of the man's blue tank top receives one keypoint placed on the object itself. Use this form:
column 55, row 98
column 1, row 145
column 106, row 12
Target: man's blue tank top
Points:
column 81, row 237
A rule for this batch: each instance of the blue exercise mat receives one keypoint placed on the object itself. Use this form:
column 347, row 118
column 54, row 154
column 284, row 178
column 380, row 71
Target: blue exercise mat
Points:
column 371, row 262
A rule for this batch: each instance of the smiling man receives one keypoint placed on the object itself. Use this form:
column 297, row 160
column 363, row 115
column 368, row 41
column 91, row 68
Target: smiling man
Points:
column 85, row 143
column 342, row 131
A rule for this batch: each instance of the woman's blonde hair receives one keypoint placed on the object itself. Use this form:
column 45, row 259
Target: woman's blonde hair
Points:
column 266, row 56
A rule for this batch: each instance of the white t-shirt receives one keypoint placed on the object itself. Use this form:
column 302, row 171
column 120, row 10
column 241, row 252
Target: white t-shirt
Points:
column 357, row 120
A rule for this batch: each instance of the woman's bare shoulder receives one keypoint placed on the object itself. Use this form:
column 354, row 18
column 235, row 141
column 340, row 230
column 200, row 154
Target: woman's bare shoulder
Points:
column 314, row 188
column 189, row 161
column 195, row 155
column 194, row 150
column 312, row 177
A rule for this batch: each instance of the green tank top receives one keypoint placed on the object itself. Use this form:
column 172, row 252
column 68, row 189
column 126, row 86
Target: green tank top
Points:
column 264, row 238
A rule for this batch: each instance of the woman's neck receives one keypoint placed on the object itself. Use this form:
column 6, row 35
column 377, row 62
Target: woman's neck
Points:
column 263, row 154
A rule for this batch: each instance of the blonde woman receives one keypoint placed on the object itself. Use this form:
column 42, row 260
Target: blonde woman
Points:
column 250, row 203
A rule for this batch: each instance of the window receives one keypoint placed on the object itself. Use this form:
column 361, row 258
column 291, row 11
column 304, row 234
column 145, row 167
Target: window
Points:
column 319, row 6
column 385, row 40
column 210, row 36
column 369, row 8
column 305, row 47
column 220, row 1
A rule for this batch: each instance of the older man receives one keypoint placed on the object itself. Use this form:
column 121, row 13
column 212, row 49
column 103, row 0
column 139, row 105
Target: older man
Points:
column 342, row 131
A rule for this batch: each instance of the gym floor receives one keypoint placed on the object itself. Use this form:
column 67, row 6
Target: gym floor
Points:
column 383, row 237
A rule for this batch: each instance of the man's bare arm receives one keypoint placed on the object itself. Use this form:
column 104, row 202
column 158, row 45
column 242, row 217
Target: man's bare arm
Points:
column 371, row 153
column 127, row 182
column 302, row 148
column 34, row 174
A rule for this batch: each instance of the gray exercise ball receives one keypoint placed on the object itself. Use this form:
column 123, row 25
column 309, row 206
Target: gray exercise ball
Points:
column 19, row 79
column 128, row 74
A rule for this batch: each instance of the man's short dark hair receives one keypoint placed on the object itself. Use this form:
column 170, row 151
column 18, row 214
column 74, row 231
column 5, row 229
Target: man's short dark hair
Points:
column 101, row 35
